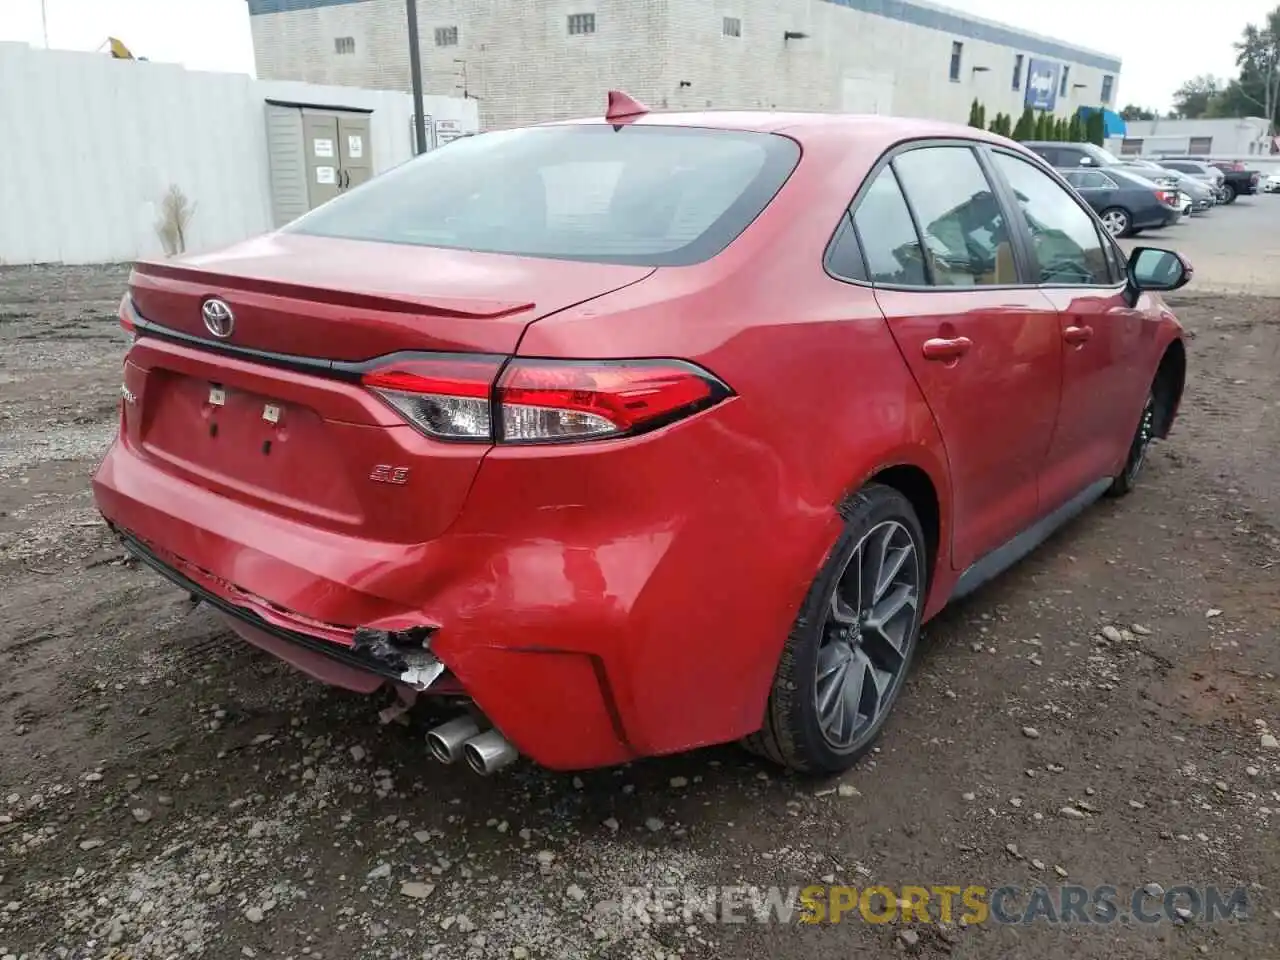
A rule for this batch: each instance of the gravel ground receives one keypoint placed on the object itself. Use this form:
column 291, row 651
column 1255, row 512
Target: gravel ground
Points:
column 1104, row 713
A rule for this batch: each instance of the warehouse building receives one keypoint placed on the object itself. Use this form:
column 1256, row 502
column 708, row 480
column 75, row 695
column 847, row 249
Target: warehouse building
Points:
column 531, row 60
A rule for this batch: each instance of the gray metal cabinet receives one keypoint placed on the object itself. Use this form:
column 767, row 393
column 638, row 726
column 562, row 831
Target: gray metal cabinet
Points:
column 315, row 153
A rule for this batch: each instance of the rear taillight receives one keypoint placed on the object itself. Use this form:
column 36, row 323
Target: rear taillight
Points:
column 546, row 400
column 542, row 401
column 444, row 397
column 1167, row 198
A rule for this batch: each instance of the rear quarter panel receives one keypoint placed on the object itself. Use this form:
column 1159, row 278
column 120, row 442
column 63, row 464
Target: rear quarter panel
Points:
column 823, row 400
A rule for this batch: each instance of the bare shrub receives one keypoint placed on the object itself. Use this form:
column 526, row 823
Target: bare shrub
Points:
column 176, row 211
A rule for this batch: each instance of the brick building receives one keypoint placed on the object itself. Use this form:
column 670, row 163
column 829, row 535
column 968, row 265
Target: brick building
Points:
column 531, row 60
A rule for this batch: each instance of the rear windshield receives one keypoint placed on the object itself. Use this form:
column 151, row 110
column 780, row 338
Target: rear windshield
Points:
column 655, row 196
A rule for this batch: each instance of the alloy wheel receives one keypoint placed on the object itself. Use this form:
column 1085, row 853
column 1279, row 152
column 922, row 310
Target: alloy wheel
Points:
column 866, row 635
column 1116, row 222
column 1142, row 440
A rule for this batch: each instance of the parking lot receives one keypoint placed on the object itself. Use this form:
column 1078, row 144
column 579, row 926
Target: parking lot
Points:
column 166, row 790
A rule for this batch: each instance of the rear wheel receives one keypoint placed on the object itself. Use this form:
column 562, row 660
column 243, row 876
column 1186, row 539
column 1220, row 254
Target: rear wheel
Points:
column 1127, row 478
column 1117, row 221
column 1229, row 193
column 851, row 647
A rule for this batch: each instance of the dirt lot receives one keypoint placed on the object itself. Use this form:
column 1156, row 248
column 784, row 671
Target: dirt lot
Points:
column 167, row 791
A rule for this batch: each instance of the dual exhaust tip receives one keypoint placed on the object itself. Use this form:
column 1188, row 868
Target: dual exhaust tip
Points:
column 486, row 751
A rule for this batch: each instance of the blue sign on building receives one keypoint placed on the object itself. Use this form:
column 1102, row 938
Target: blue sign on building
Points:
column 1042, row 84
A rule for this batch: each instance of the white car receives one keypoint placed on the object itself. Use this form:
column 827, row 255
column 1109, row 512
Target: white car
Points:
column 1186, row 204
column 1272, row 183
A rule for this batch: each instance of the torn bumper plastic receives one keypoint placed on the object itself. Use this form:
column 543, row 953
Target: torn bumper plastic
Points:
column 374, row 657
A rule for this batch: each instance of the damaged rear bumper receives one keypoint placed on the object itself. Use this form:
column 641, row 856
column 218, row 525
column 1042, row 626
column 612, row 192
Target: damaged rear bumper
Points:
column 372, row 658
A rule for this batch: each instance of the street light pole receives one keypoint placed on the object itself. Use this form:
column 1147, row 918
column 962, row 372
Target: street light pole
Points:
column 44, row 23
column 415, row 70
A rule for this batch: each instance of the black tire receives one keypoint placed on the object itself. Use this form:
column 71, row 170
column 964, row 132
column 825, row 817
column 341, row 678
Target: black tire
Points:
column 1124, row 482
column 1117, row 221
column 792, row 734
column 1229, row 193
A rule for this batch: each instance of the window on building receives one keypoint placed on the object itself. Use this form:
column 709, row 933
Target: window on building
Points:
column 966, row 240
column 1017, row 72
column 888, row 236
column 1108, row 87
column 344, row 44
column 957, row 52
column 1131, row 147
column 1066, row 75
column 1201, row 145
column 446, row 36
column 580, row 23
column 732, row 27
column 1064, row 237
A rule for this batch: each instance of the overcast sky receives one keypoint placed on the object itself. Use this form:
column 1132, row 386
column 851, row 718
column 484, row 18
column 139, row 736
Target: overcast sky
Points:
column 1162, row 42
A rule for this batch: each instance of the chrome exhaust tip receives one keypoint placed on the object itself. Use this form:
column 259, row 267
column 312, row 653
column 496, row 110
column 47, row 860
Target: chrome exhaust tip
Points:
column 447, row 740
column 489, row 752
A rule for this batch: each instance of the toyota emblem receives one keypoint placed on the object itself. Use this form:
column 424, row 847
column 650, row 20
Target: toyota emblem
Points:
column 218, row 318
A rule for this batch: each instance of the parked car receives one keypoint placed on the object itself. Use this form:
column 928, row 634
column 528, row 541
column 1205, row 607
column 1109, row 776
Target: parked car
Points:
column 1072, row 156
column 1125, row 202
column 1238, row 180
column 1201, row 171
column 635, row 434
column 1068, row 155
column 1271, row 184
column 1203, row 196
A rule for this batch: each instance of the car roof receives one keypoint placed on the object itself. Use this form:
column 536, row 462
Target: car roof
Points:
column 809, row 126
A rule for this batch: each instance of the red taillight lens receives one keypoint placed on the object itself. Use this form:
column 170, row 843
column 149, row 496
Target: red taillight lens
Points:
column 444, row 397
column 549, row 400
column 541, row 401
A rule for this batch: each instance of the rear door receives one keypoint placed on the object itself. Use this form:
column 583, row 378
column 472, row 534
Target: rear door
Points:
column 1101, row 337
column 982, row 347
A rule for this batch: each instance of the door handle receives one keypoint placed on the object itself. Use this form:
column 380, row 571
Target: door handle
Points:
column 946, row 350
column 1077, row 336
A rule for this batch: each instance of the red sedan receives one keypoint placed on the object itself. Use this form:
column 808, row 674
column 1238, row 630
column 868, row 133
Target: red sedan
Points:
column 640, row 433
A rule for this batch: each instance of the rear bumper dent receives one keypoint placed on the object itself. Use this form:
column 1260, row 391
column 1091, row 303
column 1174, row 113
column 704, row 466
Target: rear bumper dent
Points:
column 399, row 657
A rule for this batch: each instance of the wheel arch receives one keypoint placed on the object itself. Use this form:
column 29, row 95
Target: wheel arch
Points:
column 926, row 488
column 1170, row 379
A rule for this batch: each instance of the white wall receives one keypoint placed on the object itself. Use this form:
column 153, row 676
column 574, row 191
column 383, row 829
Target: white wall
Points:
column 672, row 54
column 1244, row 136
column 96, row 142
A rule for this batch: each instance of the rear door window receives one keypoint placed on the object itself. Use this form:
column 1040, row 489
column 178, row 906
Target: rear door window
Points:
column 887, row 235
column 646, row 195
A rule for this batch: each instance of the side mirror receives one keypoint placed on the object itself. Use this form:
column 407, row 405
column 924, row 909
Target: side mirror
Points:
column 1153, row 269
column 1086, row 161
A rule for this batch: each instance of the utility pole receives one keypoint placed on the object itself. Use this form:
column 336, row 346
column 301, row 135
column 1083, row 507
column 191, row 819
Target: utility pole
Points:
column 44, row 23
column 415, row 70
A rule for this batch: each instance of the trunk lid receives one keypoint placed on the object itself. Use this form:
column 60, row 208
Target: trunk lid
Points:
column 351, row 300
column 277, row 429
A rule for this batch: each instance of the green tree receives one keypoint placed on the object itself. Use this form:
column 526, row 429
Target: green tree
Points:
column 1025, row 128
column 1075, row 129
column 1134, row 112
column 982, row 117
column 1042, row 126
column 1194, row 98
column 1095, row 130
column 974, row 108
